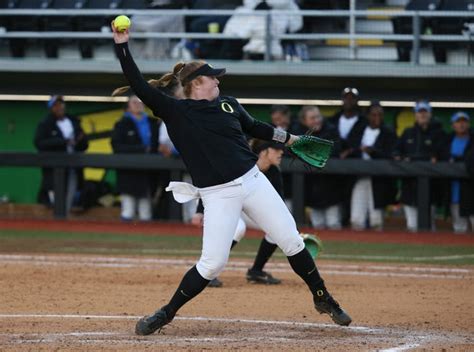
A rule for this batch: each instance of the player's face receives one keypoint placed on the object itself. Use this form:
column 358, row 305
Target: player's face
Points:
column 313, row 119
column 281, row 120
column 135, row 106
column 461, row 126
column 375, row 117
column 209, row 87
column 422, row 117
column 274, row 156
column 349, row 102
column 58, row 109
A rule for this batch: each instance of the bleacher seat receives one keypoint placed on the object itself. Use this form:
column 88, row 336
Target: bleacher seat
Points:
column 6, row 4
column 404, row 25
column 95, row 24
column 322, row 24
column 25, row 23
column 133, row 4
column 451, row 26
column 60, row 24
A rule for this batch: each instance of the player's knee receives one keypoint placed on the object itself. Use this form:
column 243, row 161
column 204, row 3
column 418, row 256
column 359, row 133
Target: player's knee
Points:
column 291, row 245
column 211, row 268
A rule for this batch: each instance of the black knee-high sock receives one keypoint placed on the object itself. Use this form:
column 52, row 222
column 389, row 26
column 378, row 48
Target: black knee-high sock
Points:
column 191, row 285
column 305, row 267
column 265, row 251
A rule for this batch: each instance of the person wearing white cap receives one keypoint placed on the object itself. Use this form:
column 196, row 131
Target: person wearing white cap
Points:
column 461, row 199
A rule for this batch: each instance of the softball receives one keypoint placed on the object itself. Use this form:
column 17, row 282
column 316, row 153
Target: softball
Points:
column 122, row 23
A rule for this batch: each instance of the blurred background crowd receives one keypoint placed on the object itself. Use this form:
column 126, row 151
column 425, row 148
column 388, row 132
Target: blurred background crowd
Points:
column 331, row 202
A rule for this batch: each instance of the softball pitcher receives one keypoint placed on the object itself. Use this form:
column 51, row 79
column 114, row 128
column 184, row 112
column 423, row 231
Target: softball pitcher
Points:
column 208, row 131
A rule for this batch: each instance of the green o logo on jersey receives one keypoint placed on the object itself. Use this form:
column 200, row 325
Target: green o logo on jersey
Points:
column 227, row 107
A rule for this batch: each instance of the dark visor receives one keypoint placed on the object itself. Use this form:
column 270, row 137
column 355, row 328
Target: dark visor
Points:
column 205, row 70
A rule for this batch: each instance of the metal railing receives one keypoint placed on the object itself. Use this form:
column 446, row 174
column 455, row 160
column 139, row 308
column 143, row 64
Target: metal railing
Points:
column 416, row 38
column 422, row 171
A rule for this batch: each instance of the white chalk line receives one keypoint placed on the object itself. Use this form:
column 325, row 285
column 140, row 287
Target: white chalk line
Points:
column 220, row 320
column 415, row 339
column 111, row 259
column 149, row 263
column 323, row 255
column 401, row 348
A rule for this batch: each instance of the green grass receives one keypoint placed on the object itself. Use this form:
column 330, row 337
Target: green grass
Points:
column 15, row 241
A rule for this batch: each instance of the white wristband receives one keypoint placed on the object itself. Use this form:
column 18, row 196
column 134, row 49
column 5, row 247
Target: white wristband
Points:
column 280, row 135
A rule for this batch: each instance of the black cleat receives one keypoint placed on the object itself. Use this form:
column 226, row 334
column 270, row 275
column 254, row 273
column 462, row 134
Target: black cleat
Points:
column 150, row 323
column 215, row 283
column 261, row 277
column 325, row 304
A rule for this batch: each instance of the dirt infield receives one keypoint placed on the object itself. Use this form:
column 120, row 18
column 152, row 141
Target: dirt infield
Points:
column 84, row 303
column 116, row 227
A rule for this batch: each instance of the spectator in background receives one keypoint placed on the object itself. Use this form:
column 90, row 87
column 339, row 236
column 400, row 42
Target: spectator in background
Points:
column 469, row 162
column 135, row 133
column 210, row 48
column 322, row 190
column 243, row 25
column 350, row 125
column 371, row 195
column 280, row 116
column 60, row 132
column 157, row 48
column 423, row 141
column 461, row 191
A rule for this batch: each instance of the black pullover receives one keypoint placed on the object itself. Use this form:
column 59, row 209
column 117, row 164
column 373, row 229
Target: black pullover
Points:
column 209, row 135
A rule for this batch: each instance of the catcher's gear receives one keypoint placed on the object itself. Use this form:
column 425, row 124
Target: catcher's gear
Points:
column 312, row 150
column 313, row 244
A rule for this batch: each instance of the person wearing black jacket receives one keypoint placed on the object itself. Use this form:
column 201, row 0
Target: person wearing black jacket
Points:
column 371, row 195
column 208, row 130
column 321, row 190
column 135, row 133
column 350, row 124
column 62, row 133
column 459, row 149
column 423, row 141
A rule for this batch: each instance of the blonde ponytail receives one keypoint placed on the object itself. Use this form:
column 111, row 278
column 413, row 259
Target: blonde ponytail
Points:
column 167, row 80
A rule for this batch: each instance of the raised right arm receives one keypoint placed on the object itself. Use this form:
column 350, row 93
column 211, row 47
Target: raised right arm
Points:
column 162, row 105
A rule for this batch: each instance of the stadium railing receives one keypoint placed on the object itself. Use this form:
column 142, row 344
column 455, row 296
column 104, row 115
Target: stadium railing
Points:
column 422, row 171
column 416, row 38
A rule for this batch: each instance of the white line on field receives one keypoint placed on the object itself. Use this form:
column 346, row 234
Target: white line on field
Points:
column 153, row 263
column 111, row 259
column 416, row 339
column 131, row 260
column 401, row 348
column 221, row 320
column 231, row 268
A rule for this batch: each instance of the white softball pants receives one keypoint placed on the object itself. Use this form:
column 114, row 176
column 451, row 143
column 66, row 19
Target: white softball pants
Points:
column 362, row 205
column 460, row 223
column 326, row 218
column 253, row 194
column 130, row 204
column 411, row 215
column 243, row 224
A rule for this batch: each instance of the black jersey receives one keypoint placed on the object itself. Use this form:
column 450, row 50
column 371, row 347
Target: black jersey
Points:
column 209, row 135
